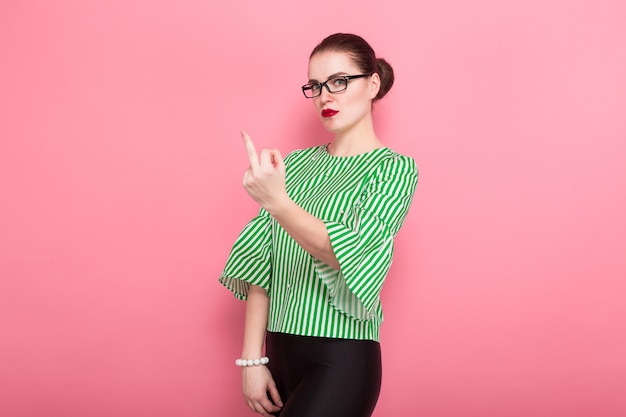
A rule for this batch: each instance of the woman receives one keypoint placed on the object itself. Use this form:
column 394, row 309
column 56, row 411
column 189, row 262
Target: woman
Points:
column 312, row 263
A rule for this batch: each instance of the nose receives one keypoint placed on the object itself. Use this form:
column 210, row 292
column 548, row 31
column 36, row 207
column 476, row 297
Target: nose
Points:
column 325, row 95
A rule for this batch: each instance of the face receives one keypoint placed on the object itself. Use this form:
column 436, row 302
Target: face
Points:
column 346, row 110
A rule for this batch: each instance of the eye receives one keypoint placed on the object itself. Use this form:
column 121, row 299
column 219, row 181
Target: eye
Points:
column 338, row 82
column 312, row 86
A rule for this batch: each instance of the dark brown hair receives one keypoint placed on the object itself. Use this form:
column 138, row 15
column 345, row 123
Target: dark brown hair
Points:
column 363, row 56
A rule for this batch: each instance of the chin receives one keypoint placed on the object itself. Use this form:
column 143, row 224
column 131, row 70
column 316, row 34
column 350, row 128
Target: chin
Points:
column 332, row 130
column 330, row 126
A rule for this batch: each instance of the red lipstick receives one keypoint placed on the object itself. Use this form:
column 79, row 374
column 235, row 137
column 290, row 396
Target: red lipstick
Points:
column 329, row 112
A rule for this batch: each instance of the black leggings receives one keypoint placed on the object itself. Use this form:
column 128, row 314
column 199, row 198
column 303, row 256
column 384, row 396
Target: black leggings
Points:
column 324, row 377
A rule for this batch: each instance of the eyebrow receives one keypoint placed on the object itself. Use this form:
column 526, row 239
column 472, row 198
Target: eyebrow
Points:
column 331, row 76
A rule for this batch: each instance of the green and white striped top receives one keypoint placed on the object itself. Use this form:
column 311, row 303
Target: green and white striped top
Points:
column 363, row 200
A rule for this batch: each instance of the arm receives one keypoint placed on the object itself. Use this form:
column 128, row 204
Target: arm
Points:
column 363, row 239
column 257, row 381
column 307, row 230
column 265, row 182
column 257, row 309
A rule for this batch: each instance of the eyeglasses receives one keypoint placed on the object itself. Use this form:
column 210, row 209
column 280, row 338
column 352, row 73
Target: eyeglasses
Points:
column 333, row 85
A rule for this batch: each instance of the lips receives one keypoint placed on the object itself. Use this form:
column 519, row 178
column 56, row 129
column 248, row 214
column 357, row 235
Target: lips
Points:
column 329, row 112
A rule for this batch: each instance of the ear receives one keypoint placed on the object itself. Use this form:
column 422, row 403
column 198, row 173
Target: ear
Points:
column 374, row 85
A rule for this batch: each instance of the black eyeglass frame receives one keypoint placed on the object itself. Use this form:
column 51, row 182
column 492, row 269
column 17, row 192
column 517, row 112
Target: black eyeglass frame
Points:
column 310, row 86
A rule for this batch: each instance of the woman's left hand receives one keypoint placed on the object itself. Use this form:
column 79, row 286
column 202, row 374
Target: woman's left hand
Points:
column 265, row 179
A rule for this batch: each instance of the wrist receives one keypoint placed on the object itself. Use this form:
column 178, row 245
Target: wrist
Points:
column 278, row 206
column 264, row 360
column 253, row 355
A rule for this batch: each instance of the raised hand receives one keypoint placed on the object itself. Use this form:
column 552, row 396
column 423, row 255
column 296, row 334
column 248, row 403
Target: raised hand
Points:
column 265, row 179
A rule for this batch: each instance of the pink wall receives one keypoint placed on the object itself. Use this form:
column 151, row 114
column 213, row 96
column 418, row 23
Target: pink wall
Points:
column 120, row 167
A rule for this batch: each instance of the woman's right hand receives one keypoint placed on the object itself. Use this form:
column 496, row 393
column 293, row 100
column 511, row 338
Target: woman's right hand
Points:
column 257, row 383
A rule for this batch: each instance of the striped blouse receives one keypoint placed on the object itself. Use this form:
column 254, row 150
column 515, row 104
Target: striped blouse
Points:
column 363, row 201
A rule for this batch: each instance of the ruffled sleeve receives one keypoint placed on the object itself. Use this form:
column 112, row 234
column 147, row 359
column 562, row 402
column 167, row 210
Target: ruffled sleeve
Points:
column 363, row 239
column 249, row 261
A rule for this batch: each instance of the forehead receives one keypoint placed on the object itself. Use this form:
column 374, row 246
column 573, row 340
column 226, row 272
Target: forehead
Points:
column 324, row 64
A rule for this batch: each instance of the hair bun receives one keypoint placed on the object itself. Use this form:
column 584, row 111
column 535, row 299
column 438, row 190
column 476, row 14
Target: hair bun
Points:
column 385, row 71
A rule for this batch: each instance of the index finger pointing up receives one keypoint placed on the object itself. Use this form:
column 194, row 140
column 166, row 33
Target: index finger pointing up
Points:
column 252, row 154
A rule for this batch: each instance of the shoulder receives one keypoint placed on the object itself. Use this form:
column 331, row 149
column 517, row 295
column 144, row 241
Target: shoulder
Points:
column 393, row 162
column 302, row 154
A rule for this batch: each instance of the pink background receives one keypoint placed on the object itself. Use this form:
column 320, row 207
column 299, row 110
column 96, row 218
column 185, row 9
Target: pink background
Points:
column 120, row 196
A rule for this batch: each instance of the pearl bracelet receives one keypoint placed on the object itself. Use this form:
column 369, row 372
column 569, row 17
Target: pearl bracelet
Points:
column 252, row 362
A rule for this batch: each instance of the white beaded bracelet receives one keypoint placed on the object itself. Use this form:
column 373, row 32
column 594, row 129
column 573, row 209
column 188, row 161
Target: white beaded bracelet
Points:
column 252, row 362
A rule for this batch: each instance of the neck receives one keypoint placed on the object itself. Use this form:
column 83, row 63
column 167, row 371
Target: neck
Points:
column 358, row 140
